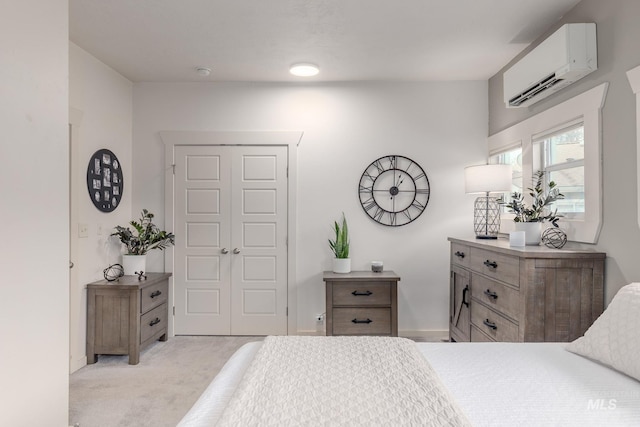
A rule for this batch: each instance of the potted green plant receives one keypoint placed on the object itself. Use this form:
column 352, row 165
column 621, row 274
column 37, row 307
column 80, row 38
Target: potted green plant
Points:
column 340, row 247
column 144, row 237
column 530, row 218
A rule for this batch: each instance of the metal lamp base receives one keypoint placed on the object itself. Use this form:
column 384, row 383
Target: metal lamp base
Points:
column 486, row 217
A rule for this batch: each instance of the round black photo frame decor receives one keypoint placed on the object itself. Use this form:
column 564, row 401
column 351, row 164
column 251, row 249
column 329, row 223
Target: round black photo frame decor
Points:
column 104, row 180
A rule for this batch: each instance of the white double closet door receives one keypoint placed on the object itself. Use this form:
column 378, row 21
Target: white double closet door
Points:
column 230, row 256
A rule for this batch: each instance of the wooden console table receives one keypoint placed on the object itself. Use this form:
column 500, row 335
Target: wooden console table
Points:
column 125, row 316
column 362, row 303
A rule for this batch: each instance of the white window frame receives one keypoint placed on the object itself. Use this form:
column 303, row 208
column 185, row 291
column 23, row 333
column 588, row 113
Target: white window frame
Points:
column 588, row 108
column 541, row 157
column 634, row 80
column 493, row 160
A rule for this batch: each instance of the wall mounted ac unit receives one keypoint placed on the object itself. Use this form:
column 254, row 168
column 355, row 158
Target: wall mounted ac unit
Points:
column 566, row 56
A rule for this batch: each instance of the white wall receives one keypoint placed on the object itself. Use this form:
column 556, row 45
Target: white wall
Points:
column 33, row 213
column 618, row 33
column 442, row 126
column 104, row 99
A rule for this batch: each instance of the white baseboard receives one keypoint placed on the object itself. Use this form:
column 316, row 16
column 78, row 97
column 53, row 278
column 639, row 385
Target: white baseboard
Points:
column 311, row 333
column 435, row 335
column 77, row 364
column 416, row 335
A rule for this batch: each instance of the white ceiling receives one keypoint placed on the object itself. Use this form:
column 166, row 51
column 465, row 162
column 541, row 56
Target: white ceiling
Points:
column 257, row 40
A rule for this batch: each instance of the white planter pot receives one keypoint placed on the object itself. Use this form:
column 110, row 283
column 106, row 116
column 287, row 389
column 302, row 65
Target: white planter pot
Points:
column 342, row 265
column 532, row 232
column 133, row 263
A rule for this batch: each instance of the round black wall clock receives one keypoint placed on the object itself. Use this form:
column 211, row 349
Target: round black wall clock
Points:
column 104, row 180
column 394, row 190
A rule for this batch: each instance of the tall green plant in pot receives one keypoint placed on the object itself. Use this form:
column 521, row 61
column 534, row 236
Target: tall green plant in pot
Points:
column 340, row 247
column 144, row 237
column 530, row 218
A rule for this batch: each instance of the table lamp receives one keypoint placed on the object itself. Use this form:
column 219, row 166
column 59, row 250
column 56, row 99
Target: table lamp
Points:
column 486, row 212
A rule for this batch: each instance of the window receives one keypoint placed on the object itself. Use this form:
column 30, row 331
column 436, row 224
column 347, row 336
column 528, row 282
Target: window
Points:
column 565, row 142
column 511, row 157
column 560, row 154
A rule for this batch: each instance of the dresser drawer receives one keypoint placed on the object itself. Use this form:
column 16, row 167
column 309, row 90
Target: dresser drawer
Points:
column 153, row 296
column 153, row 323
column 362, row 321
column 460, row 255
column 361, row 294
column 501, row 298
column 477, row 336
column 492, row 324
column 499, row 266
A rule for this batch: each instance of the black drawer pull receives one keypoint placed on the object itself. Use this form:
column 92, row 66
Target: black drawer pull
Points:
column 459, row 254
column 491, row 264
column 154, row 321
column 491, row 294
column 361, row 294
column 155, row 294
column 362, row 321
column 490, row 324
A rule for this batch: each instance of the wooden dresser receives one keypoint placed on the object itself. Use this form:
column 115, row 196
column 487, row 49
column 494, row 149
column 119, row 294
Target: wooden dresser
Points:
column 362, row 303
column 517, row 294
column 125, row 316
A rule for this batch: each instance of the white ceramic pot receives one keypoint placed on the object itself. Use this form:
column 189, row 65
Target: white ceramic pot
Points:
column 133, row 263
column 342, row 265
column 532, row 232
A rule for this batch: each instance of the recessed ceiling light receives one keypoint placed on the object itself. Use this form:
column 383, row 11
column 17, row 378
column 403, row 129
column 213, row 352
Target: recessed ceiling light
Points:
column 203, row 71
column 304, row 69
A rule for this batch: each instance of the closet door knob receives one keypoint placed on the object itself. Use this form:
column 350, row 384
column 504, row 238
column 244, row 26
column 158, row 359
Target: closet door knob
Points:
column 224, row 251
column 236, row 251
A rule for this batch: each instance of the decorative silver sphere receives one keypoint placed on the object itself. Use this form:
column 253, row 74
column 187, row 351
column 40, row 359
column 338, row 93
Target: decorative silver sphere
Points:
column 554, row 238
column 113, row 272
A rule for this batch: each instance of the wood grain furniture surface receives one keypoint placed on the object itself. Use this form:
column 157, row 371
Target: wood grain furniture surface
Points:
column 125, row 316
column 362, row 303
column 520, row 294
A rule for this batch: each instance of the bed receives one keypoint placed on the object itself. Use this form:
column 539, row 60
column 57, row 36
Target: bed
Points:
column 593, row 381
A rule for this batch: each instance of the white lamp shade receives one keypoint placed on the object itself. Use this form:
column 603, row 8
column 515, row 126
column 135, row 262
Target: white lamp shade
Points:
column 487, row 178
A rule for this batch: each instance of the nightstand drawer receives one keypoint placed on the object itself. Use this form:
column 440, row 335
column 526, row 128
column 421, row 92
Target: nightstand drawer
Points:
column 153, row 296
column 361, row 294
column 460, row 255
column 492, row 324
column 153, row 323
column 361, row 321
column 496, row 265
column 500, row 297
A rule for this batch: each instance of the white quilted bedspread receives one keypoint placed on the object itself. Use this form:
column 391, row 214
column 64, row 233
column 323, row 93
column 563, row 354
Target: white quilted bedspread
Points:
column 341, row 381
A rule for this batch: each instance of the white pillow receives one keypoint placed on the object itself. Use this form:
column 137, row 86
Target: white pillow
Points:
column 614, row 338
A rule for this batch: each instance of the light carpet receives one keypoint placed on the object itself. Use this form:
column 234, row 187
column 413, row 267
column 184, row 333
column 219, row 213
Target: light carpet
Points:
column 157, row 392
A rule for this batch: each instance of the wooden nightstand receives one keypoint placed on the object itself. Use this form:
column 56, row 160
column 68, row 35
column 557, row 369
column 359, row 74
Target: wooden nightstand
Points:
column 362, row 303
column 125, row 316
